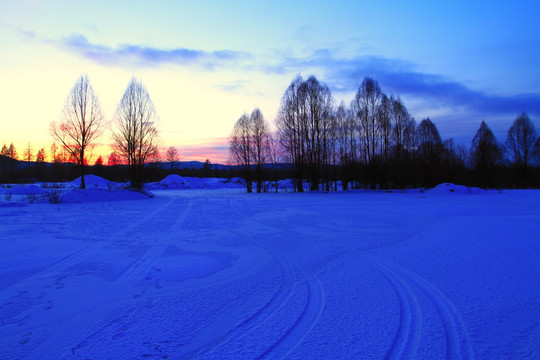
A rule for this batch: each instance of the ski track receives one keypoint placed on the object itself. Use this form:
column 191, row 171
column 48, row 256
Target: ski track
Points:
column 407, row 336
column 305, row 322
column 265, row 313
column 404, row 283
column 261, row 316
column 140, row 267
column 458, row 344
column 311, row 312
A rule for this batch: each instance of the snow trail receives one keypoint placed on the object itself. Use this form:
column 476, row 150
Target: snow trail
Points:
column 314, row 303
column 222, row 274
column 262, row 315
column 410, row 323
column 457, row 339
column 304, row 323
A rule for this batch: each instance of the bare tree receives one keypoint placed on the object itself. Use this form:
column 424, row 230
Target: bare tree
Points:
column 240, row 148
column 400, row 118
column 135, row 137
column 172, row 157
column 429, row 141
column 429, row 149
column 384, row 118
column 463, row 155
column 520, row 140
column 346, row 138
column 274, row 156
column 410, row 140
column 365, row 107
column 536, row 151
column 304, row 122
column 259, row 135
column 486, row 153
column 27, row 154
column 54, row 152
column 319, row 110
column 99, row 161
column 114, row 159
column 82, row 123
column 291, row 124
column 12, row 152
column 40, row 157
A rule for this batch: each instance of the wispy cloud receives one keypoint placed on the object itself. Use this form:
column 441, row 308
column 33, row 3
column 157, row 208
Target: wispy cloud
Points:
column 150, row 56
column 132, row 54
column 401, row 77
column 343, row 74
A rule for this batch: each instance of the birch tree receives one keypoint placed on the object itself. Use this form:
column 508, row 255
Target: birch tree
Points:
column 81, row 124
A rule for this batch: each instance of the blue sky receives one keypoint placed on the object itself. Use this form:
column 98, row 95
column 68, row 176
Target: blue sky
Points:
column 205, row 63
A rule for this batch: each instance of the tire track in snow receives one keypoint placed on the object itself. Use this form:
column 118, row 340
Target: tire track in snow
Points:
column 458, row 344
column 263, row 314
column 304, row 323
column 407, row 336
column 311, row 312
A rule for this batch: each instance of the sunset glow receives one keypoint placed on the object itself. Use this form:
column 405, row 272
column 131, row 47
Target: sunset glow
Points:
column 206, row 63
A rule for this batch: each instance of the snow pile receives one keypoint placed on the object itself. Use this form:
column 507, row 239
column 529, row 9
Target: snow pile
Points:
column 8, row 204
column 27, row 190
column 449, row 188
column 183, row 182
column 96, row 194
column 92, row 181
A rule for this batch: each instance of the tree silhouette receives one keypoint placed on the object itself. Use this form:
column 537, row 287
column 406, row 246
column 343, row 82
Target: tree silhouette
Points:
column 519, row 143
column 27, row 154
column 40, row 156
column 240, row 148
column 172, row 157
column 81, row 124
column 260, row 144
column 486, row 153
column 135, row 136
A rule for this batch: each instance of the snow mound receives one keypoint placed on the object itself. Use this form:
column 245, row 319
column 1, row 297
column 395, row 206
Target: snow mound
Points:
column 92, row 181
column 32, row 189
column 449, row 188
column 185, row 182
column 9, row 204
column 96, row 195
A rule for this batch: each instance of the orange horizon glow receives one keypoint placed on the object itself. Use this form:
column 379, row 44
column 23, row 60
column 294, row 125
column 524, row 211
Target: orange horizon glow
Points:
column 216, row 150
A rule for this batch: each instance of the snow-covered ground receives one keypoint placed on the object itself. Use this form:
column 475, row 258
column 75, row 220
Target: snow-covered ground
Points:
column 452, row 273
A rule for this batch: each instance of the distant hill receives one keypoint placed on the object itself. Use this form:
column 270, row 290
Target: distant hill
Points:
column 190, row 165
column 7, row 162
column 199, row 165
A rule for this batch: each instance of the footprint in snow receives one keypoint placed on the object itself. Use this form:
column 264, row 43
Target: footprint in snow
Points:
column 26, row 338
column 48, row 306
column 118, row 335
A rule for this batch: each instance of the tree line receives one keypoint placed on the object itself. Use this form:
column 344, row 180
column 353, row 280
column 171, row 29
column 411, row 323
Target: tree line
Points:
column 83, row 122
column 374, row 142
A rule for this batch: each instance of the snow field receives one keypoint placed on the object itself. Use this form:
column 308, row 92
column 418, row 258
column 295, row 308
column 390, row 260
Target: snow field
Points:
column 223, row 274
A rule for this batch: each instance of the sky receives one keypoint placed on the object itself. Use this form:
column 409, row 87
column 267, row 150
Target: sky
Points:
column 205, row 63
